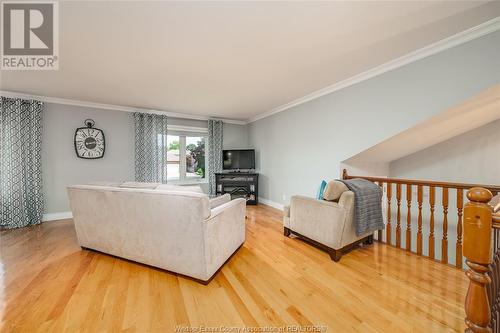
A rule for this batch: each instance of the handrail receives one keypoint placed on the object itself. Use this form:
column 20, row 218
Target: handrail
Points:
column 492, row 188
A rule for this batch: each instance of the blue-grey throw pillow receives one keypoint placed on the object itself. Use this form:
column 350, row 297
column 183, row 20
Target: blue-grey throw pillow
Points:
column 321, row 189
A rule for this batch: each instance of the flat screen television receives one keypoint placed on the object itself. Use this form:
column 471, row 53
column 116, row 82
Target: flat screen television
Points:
column 238, row 159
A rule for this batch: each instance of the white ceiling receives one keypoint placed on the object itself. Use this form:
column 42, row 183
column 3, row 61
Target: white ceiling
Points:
column 232, row 59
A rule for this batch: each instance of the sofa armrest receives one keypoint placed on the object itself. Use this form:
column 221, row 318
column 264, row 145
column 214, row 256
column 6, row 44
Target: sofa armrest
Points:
column 286, row 217
column 220, row 200
column 286, row 211
column 224, row 232
column 320, row 220
column 313, row 202
column 226, row 206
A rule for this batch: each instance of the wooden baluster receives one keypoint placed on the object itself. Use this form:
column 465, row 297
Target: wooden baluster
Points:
column 460, row 207
column 398, row 216
column 408, row 217
column 419, row 232
column 478, row 253
column 379, row 232
column 388, row 235
column 444, row 242
column 432, row 192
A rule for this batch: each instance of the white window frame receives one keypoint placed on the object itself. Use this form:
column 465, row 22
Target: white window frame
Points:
column 182, row 132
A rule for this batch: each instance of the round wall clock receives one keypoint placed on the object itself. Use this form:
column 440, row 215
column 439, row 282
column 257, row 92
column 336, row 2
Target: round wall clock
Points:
column 89, row 141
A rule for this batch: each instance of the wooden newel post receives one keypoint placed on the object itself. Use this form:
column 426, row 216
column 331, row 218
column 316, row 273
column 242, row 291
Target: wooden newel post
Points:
column 477, row 249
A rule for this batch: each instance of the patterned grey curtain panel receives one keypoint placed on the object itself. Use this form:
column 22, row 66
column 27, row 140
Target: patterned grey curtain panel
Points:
column 21, row 196
column 150, row 147
column 214, row 151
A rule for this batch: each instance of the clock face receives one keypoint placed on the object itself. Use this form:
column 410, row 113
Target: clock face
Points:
column 89, row 143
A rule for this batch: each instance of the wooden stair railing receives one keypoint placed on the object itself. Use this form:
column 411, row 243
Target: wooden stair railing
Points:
column 403, row 189
column 481, row 248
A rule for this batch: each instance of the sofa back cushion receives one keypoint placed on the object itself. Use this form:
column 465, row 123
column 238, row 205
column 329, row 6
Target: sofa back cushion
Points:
column 180, row 205
column 142, row 185
column 334, row 190
column 104, row 183
column 180, row 188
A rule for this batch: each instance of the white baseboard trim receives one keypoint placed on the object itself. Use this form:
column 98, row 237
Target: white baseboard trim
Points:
column 57, row 216
column 271, row 203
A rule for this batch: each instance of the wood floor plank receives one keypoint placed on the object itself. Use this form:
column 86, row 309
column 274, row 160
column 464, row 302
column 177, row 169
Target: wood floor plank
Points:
column 49, row 284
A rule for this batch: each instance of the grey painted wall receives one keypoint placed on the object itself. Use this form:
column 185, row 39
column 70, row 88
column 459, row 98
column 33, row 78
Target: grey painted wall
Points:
column 61, row 167
column 235, row 136
column 299, row 147
column 473, row 157
column 296, row 148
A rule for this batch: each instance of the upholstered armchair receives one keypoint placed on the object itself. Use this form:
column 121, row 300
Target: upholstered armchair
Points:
column 327, row 224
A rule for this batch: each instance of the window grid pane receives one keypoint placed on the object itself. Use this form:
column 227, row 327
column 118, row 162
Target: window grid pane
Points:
column 185, row 157
column 173, row 157
column 195, row 157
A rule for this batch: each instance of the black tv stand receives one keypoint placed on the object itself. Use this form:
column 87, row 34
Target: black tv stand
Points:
column 238, row 185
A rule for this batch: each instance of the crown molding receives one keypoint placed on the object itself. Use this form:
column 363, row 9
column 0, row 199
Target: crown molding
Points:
column 74, row 102
column 444, row 44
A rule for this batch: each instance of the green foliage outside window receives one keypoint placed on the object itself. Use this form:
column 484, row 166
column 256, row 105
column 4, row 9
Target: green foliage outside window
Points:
column 198, row 154
column 174, row 145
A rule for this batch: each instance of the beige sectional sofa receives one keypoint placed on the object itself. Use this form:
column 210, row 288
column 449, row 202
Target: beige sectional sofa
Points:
column 176, row 229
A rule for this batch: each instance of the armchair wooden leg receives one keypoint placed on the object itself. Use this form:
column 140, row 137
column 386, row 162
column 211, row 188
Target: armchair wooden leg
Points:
column 286, row 231
column 335, row 255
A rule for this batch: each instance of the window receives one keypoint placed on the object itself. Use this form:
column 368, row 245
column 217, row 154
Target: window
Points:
column 186, row 157
column 195, row 157
column 173, row 157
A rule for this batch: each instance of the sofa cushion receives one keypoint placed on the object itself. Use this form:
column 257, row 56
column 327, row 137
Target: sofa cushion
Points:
column 142, row 185
column 105, row 183
column 180, row 188
column 334, row 190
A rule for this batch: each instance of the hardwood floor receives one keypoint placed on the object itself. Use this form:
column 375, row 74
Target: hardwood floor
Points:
column 48, row 284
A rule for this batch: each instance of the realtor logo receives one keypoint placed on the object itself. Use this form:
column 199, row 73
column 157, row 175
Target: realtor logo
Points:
column 30, row 36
